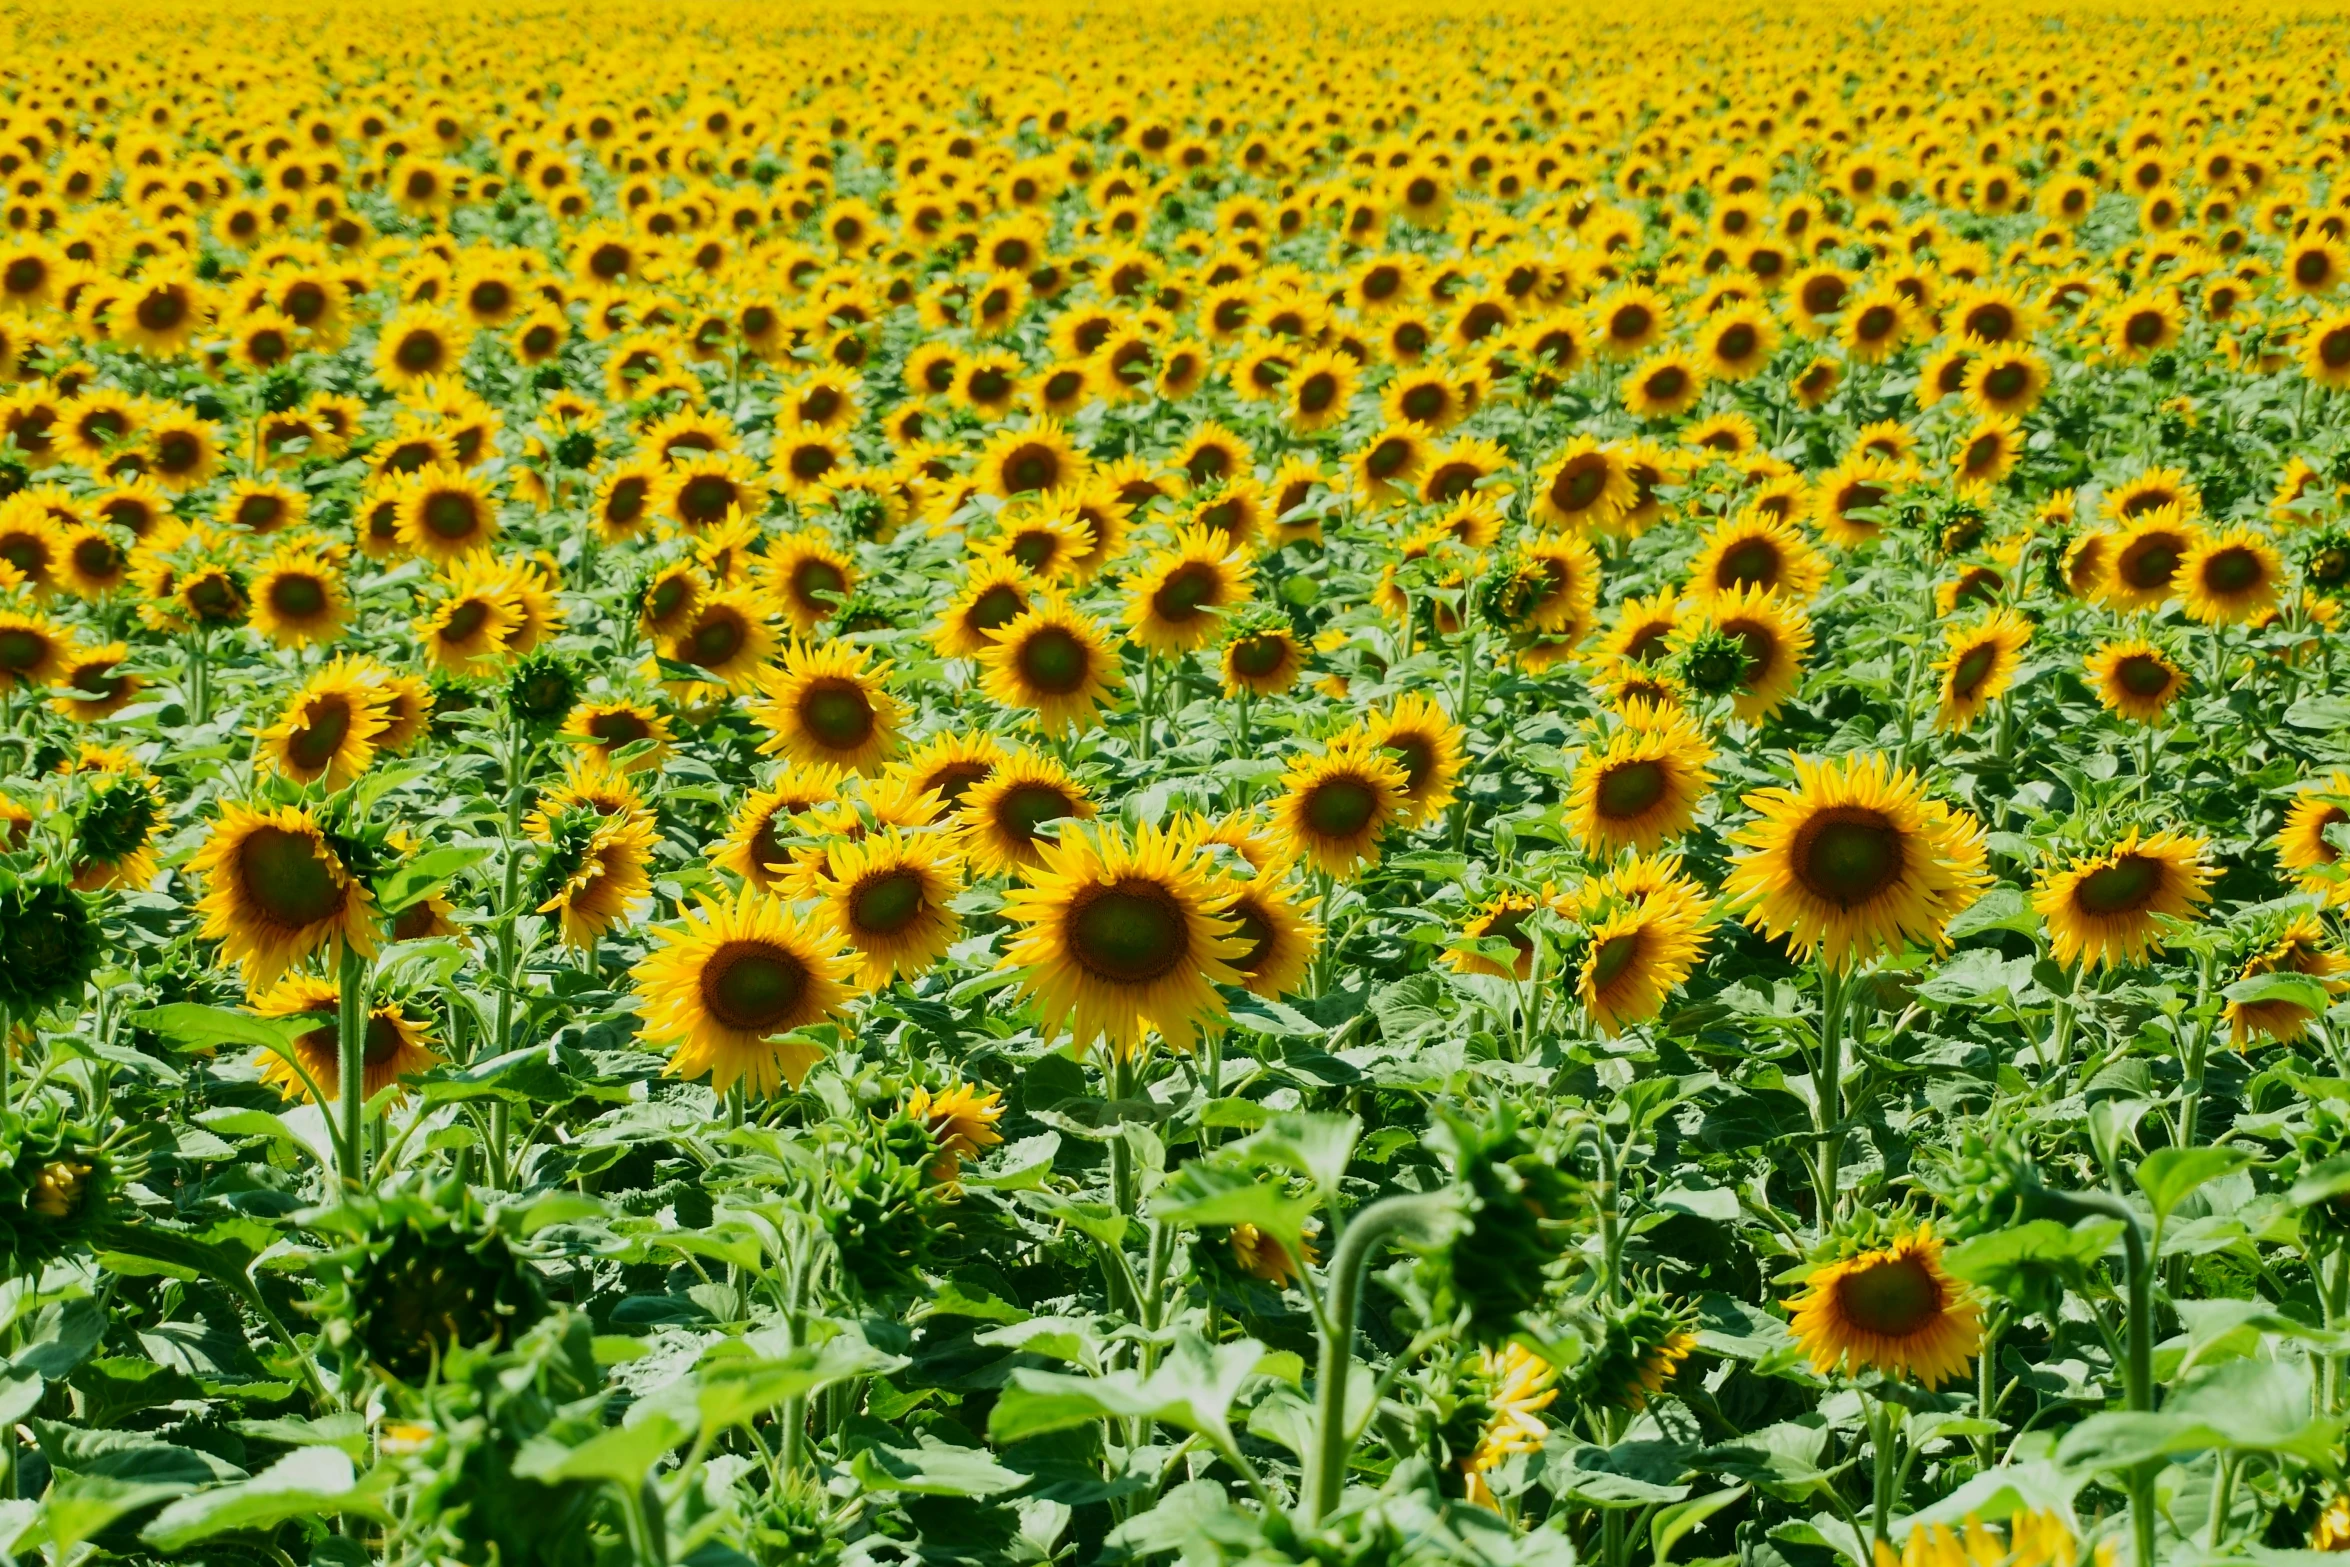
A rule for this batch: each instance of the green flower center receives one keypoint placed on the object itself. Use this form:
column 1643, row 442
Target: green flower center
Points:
column 753, row 987
column 1130, row 933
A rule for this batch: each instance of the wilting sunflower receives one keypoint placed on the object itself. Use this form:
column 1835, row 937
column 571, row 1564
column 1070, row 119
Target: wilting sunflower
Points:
column 888, row 896
column 1891, row 1310
column 2301, row 842
column 2107, row 908
column 1055, row 661
column 2231, row 579
column 1978, row 663
column 1643, row 787
column 1639, row 952
column 828, row 705
column 997, row 592
column 1756, row 552
column 276, row 891
column 1117, row 938
column 1774, row 636
column 1519, row 1385
column 396, row 1045
column 730, row 981
column 963, row 1121
column 727, row 640
column 2142, row 563
column 327, row 733
column 1180, row 597
column 1003, row 814
column 1263, row 660
column 1428, row 745
column 298, row 599
column 93, row 683
column 2136, row 679
column 2300, row 949
column 1335, row 807
column 1854, row 861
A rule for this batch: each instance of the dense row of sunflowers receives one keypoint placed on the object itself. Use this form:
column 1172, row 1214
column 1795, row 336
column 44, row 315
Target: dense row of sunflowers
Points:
column 1259, row 787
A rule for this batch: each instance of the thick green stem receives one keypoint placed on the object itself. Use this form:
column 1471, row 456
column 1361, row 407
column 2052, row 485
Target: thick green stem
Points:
column 1121, row 1085
column 1325, row 1472
column 2138, row 1348
column 351, row 1066
column 1829, row 1093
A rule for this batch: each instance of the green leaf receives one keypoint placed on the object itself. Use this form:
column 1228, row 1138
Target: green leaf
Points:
column 2168, row 1175
column 932, row 1468
column 77, row 1508
column 345, row 1429
column 623, row 1455
column 419, row 877
column 2001, row 908
column 195, row 1027
column 1671, row 1523
column 308, row 1483
column 1192, row 1389
column 2294, row 989
column 1097, row 1219
column 1202, row 1194
column 241, row 1121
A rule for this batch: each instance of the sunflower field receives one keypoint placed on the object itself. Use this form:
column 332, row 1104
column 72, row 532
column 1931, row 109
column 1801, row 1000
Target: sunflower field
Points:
column 1210, row 784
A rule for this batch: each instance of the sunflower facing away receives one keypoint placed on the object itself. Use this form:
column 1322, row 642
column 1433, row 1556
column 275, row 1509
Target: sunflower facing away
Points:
column 1891, row 1310
column 2108, row 908
column 730, row 981
column 1121, row 938
column 962, row 1119
column 1854, row 862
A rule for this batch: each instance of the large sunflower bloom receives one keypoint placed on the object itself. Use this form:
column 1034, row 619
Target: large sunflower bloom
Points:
column 276, row 892
column 733, row 979
column 1891, row 1310
column 2107, row 908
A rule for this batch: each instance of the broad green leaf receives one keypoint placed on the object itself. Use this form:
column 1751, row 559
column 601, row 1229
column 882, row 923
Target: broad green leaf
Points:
column 418, row 878
column 193, row 1026
column 2168, row 1175
column 77, row 1508
column 931, row 1467
column 1192, row 1388
column 310, row 1482
column 1202, row 1194
column 623, row 1455
column 345, row 1429
column 1671, row 1523
column 2293, row 989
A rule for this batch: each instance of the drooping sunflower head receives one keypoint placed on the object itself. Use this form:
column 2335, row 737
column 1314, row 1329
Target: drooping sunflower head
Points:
column 1892, row 1310
column 961, row 1118
column 1122, row 937
column 2108, row 908
column 1854, row 861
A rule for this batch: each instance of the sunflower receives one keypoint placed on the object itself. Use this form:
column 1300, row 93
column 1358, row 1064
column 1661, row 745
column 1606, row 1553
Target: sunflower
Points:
column 94, row 685
column 943, row 769
column 1863, row 481
column 2107, row 908
column 1428, row 747
column 607, row 728
column 2228, row 580
column 1262, row 660
column 1756, row 552
column 327, row 733
column 1046, row 544
column 596, row 868
column 1643, row 787
column 115, row 824
column 1638, row 954
column 1854, row 862
column 299, row 598
column 419, row 344
column 1586, row 486
column 1179, row 598
column 1665, row 385
column 2300, row 949
column 1318, row 391
column 276, row 891
column 1977, row 664
column 1334, row 808
column 807, row 578
column 33, row 651
column 1002, row 816
column 396, row 1045
column 1519, row 1385
column 1277, row 940
column 2136, row 679
column 701, row 491
column 1643, row 630
column 1892, row 1310
column 2007, row 381
column 1118, row 938
column 726, row 640
column 445, row 514
column 1386, row 468
column 625, row 498
column 1500, row 918
column 91, row 562
column 2142, row 561
column 469, row 631
column 754, row 847
column 2302, row 845
column 887, row 896
column 1773, row 635
column 731, row 981
column 2144, row 325
column 1032, row 460
column 1053, row 660
column 828, row 706
column 962, row 1120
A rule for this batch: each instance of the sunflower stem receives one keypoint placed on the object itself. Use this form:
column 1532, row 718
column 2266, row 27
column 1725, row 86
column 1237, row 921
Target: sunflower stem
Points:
column 2138, row 1352
column 1325, row 1473
column 1121, row 1087
column 1881, row 1485
column 351, row 1066
column 1829, row 1092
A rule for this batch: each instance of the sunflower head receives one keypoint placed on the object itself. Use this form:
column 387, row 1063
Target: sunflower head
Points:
column 58, row 1185
column 1631, row 1350
column 1890, row 1309
column 416, row 1280
column 1516, row 1204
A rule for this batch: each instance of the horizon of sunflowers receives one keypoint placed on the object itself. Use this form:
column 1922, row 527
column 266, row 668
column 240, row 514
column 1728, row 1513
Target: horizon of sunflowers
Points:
column 1243, row 784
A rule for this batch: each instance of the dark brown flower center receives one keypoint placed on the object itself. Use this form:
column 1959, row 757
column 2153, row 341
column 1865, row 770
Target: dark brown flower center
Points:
column 838, row 713
column 754, row 987
column 886, row 903
column 1130, row 933
column 2124, row 887
column 1893, row 1298
column 286, row 878
column 1631, row 789
column 1847, row 855
column 1341, row 807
